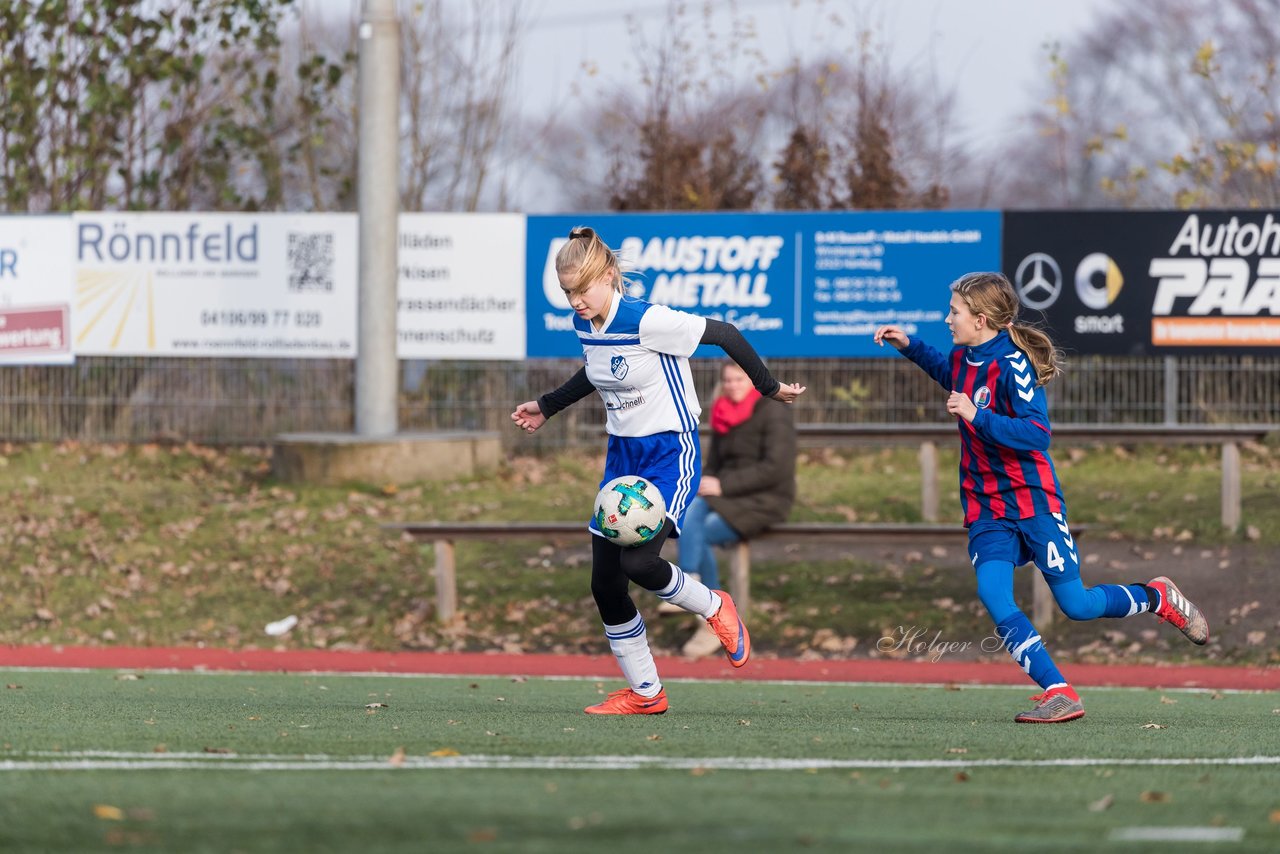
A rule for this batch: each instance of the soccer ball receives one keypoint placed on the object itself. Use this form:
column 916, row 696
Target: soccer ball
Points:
column 630, row 510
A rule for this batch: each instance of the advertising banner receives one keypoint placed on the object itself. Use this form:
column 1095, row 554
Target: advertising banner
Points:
column 205, row 284
column 36, row 276
column 1148, row 282
column 796, row 284
column 461, row 286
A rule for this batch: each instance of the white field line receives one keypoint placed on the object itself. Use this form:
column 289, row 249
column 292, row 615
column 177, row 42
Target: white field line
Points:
column 805, row 683
column 1177, row 834
column 102, row 760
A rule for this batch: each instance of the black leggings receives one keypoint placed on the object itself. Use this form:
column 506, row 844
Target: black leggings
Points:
column 613, row 568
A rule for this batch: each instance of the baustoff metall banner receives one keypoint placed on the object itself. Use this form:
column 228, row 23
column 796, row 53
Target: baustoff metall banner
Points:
column 1145, row 283
column 796, row 284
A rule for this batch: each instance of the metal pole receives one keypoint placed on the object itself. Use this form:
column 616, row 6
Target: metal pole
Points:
column 1170, row 389
column 377, row 370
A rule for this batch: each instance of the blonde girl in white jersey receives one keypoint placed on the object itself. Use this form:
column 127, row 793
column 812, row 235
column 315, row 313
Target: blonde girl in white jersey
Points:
column 637, row 358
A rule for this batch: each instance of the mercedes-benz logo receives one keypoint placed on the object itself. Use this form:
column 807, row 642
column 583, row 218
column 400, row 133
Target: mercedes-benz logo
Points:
column 1038, row 280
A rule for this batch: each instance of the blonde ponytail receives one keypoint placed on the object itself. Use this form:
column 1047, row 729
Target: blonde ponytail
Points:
column 1045, row 356
column 992, row 295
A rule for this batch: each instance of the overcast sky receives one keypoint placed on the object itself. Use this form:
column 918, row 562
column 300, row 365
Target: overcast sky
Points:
column 992, row 50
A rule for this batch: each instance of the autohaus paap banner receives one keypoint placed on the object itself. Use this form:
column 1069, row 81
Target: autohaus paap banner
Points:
column 1147, row 282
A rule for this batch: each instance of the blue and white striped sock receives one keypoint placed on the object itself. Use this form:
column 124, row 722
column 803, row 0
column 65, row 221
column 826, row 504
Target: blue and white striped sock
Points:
column 630, row 645
column 689, row 593
column 1024, row 644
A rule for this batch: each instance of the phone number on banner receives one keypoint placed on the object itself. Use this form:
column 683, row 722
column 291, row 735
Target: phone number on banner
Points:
column 274, row 317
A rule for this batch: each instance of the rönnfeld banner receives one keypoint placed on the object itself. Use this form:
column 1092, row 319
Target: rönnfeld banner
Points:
column 1150, row 282
column 35, row 290
column 205, row 284
column 797, row 284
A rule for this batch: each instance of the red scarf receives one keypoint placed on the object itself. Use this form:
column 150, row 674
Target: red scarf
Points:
column 725, row 414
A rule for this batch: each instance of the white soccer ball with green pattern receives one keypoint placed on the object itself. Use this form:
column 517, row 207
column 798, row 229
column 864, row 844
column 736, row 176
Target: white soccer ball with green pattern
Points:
column 630, row 510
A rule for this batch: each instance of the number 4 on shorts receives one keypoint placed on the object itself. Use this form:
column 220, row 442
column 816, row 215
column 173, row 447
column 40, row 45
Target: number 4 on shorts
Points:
column 1052, row 557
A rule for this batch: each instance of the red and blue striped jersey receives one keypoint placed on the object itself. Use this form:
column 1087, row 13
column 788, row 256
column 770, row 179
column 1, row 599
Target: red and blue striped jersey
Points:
column 1005, row 468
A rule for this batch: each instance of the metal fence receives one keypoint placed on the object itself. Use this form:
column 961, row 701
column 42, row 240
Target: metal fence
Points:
column 250, row 401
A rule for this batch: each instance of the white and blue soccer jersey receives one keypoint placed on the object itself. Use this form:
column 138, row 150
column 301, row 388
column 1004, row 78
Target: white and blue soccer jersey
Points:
column 639, row 362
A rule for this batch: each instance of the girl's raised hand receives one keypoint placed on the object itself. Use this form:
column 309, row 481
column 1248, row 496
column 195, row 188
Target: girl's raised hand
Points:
column 787, row 392
column 894, row 335
column 528, row 416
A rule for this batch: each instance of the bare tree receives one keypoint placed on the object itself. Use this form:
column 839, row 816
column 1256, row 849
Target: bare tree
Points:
column 862, row 134
column 459, row 72
column 1158, row 104
column 716, row 127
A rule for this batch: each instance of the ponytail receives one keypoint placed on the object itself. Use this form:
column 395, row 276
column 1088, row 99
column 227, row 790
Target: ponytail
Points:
column 1045, row 356
column 992, row 295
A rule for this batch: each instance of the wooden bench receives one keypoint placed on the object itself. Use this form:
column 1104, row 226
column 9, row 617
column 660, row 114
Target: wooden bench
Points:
column 444, row 535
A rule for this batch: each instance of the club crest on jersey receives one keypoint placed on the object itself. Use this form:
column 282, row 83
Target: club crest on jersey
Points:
column 982, row 397
column 618, row 364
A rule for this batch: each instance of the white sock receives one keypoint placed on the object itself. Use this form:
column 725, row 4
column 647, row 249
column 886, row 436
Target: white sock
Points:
column 630, row 645
column 688, row 592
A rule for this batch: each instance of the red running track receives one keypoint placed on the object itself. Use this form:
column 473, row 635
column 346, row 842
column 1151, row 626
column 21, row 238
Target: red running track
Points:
column 604, row 667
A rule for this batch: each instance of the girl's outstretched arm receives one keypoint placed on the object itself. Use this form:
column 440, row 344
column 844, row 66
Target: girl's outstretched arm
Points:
column 930, row 360
column 727, row 337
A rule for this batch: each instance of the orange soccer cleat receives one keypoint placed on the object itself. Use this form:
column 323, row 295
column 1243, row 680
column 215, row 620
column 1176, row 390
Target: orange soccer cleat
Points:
column 628, row 702
column 732, row 632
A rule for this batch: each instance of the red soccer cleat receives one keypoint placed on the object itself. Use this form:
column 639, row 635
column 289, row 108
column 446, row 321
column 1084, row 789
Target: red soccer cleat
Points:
column 732, row 632
column 628, row 702
column 1178, row 609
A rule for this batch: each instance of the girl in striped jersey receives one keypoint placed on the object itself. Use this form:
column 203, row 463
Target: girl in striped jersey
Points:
column 1012, row 501
column 637, row 358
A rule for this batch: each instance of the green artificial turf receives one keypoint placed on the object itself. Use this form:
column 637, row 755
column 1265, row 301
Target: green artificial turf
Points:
column 273, row 762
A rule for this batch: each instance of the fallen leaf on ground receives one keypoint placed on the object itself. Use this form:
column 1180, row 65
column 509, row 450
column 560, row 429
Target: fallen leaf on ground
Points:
column 1102, row 804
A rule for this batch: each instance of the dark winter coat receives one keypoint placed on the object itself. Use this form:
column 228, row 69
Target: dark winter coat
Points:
column 756, row 464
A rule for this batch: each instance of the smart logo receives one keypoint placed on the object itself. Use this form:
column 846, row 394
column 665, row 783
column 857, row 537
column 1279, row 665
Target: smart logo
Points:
column 1098, row 284
column 1098, row 281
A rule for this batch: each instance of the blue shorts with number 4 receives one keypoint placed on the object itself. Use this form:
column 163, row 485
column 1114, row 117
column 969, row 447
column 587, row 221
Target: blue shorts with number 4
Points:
column 1045, row 541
